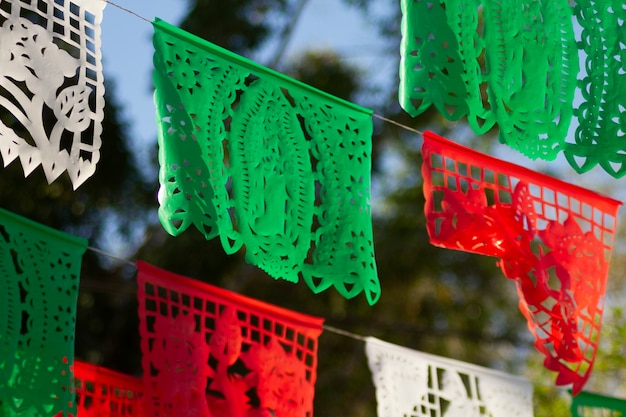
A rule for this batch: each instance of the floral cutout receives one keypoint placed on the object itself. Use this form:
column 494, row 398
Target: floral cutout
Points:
column 210, row 352
column 52, row 86
column 413, row 383
column 552, row 238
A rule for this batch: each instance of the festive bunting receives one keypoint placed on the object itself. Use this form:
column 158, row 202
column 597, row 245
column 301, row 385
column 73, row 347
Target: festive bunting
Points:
column 515, row 63
column 587, row 404
column 39, row 272
column 412, row 383
column 51, row 86
column 554, row 239
column 210, row 352
column 101, row 392
column 264, row 161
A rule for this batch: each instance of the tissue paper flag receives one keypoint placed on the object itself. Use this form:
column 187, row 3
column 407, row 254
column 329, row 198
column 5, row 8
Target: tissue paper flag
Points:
column 587, row 404
column 39, row 273
column 261, row 160
column 51, row 86
column 553, row 238
column 412, row 383
column 211, row 352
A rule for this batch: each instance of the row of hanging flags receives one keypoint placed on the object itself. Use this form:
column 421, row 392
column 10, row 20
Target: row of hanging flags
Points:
column 257, row 159
column 207, row 351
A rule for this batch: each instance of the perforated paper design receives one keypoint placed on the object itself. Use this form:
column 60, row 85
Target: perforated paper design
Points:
column 101, row 392
column 51, row 86
column 516, row 64
column 600, row 137
column 415, row 384
column 39, row 272
column 554, row 239
column 261, row 160
column 587, row 404
column 211, row 352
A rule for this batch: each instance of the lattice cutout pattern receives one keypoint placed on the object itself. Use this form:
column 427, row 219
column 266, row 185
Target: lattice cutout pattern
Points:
column 516, row 64
column 39, row 273
column 101, row 392
column 415, row 384
column 587, row 404
column 553, row 238
column 211, row 352
column 51, row 86
column 266, row 162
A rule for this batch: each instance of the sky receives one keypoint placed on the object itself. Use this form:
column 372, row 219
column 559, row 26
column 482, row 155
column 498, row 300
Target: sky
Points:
column 127, row 48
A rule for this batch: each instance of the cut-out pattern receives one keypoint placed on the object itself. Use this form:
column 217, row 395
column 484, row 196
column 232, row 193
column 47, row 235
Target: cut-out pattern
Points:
column 211, row 352
column 516, row 64
column 587, row 404
column 39, row 273
column 261, row 160
column 415, row 384
column 600, row 137
column 553, row 238
column 51, row 86
column 101, row 392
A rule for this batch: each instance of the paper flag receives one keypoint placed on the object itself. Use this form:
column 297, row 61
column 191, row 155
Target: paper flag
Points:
column 39, row 273
column 600, row 137
column 51, row 86
column 516, row 63
column 553, row 238
column 211, row 352
column 412, row 383
column 264, row 161
column 101, row 392
column 587, row 404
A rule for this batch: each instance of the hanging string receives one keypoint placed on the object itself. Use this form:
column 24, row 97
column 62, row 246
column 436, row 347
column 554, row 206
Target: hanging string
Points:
column 383, row 118
column 117, row 258
column 344, row 333
column 398, row 124
column 127, row 10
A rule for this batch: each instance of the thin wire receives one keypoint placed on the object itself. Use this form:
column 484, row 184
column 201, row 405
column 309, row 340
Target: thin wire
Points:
column 410, row 129
column 344, row 333
column 117, row 258
column 127, row 10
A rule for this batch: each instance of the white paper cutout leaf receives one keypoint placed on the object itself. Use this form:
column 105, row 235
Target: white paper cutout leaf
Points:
column 415, row 384
column 50, row 66
column 72, row 108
